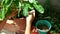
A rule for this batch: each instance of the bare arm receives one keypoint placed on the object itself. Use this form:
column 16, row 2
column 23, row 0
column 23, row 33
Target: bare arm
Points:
column 29, row 20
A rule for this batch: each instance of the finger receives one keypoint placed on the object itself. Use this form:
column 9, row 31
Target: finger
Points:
column 34, row 30
column 31, row 16
column 31, row 12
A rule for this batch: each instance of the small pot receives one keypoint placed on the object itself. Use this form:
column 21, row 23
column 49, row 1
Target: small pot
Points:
column 44, row 22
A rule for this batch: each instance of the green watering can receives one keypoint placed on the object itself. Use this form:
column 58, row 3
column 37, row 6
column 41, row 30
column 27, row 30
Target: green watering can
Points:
column 44, row 22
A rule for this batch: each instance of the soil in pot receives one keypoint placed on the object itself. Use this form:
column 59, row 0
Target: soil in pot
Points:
column 43, row 27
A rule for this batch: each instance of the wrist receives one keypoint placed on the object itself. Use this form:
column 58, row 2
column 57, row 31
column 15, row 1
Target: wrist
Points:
column 28, row 24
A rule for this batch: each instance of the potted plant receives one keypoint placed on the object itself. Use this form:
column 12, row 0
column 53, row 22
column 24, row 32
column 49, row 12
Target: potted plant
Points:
column 43, row 26
column 21, row 10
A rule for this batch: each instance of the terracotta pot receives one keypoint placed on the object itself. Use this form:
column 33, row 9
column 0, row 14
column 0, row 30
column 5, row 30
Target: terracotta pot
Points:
column 21, row 22
column 18, row 26
column 2, row 23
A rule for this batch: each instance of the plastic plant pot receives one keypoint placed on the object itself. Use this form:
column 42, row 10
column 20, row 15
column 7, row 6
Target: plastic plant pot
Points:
column 44, row 22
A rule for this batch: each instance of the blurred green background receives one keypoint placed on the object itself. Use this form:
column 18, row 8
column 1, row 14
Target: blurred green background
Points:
column 52, row 13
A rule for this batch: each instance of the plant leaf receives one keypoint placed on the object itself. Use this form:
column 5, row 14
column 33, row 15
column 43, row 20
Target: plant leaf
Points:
column 25, row 0
column 29, row 6
column 16, row 3
column 2, row 2
column 25, row 11
column 4, row 9
column 19, row 7
column 39, row 8
column 31, row 1
column 6, row 6
column 8, row 3
column 2, row 16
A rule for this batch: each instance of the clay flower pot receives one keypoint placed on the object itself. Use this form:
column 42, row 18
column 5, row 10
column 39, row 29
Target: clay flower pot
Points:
column 21, row 22
column 18, row 26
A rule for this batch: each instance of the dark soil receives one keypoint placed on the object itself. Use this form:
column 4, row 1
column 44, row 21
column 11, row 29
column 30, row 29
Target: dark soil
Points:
column 43, row 27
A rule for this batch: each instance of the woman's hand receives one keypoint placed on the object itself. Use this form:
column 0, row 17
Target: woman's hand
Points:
column 29, row 20
column 30, row 17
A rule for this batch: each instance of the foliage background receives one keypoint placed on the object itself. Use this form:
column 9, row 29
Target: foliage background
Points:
column 52, row 13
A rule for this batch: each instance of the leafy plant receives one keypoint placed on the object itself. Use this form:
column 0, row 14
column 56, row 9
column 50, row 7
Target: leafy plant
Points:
column 23, row 7
column 4, row 8
column 27, row 5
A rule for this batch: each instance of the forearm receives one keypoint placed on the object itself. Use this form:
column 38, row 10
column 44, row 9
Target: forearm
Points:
column 28, row 24
column 28, row 29
column 29, row 20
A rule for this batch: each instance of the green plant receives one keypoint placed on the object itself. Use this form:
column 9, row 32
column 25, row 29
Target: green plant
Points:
column 4, row 8
column 23, row 7
column 27, row 5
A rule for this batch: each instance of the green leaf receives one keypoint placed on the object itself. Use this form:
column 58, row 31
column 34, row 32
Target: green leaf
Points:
column 31, row 1
column 29, row 6
column 41, row 9
column 25, row 11
column 25, row 0
column 22, row 5
column 2, row 15
column 16, row 3
column 19, row 7
column 38, row 7
column 5, row 7
column 2, row 2
column 8, row 3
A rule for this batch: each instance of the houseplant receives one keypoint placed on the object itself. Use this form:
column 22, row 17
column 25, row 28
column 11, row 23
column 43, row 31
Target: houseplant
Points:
column 22, row 8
